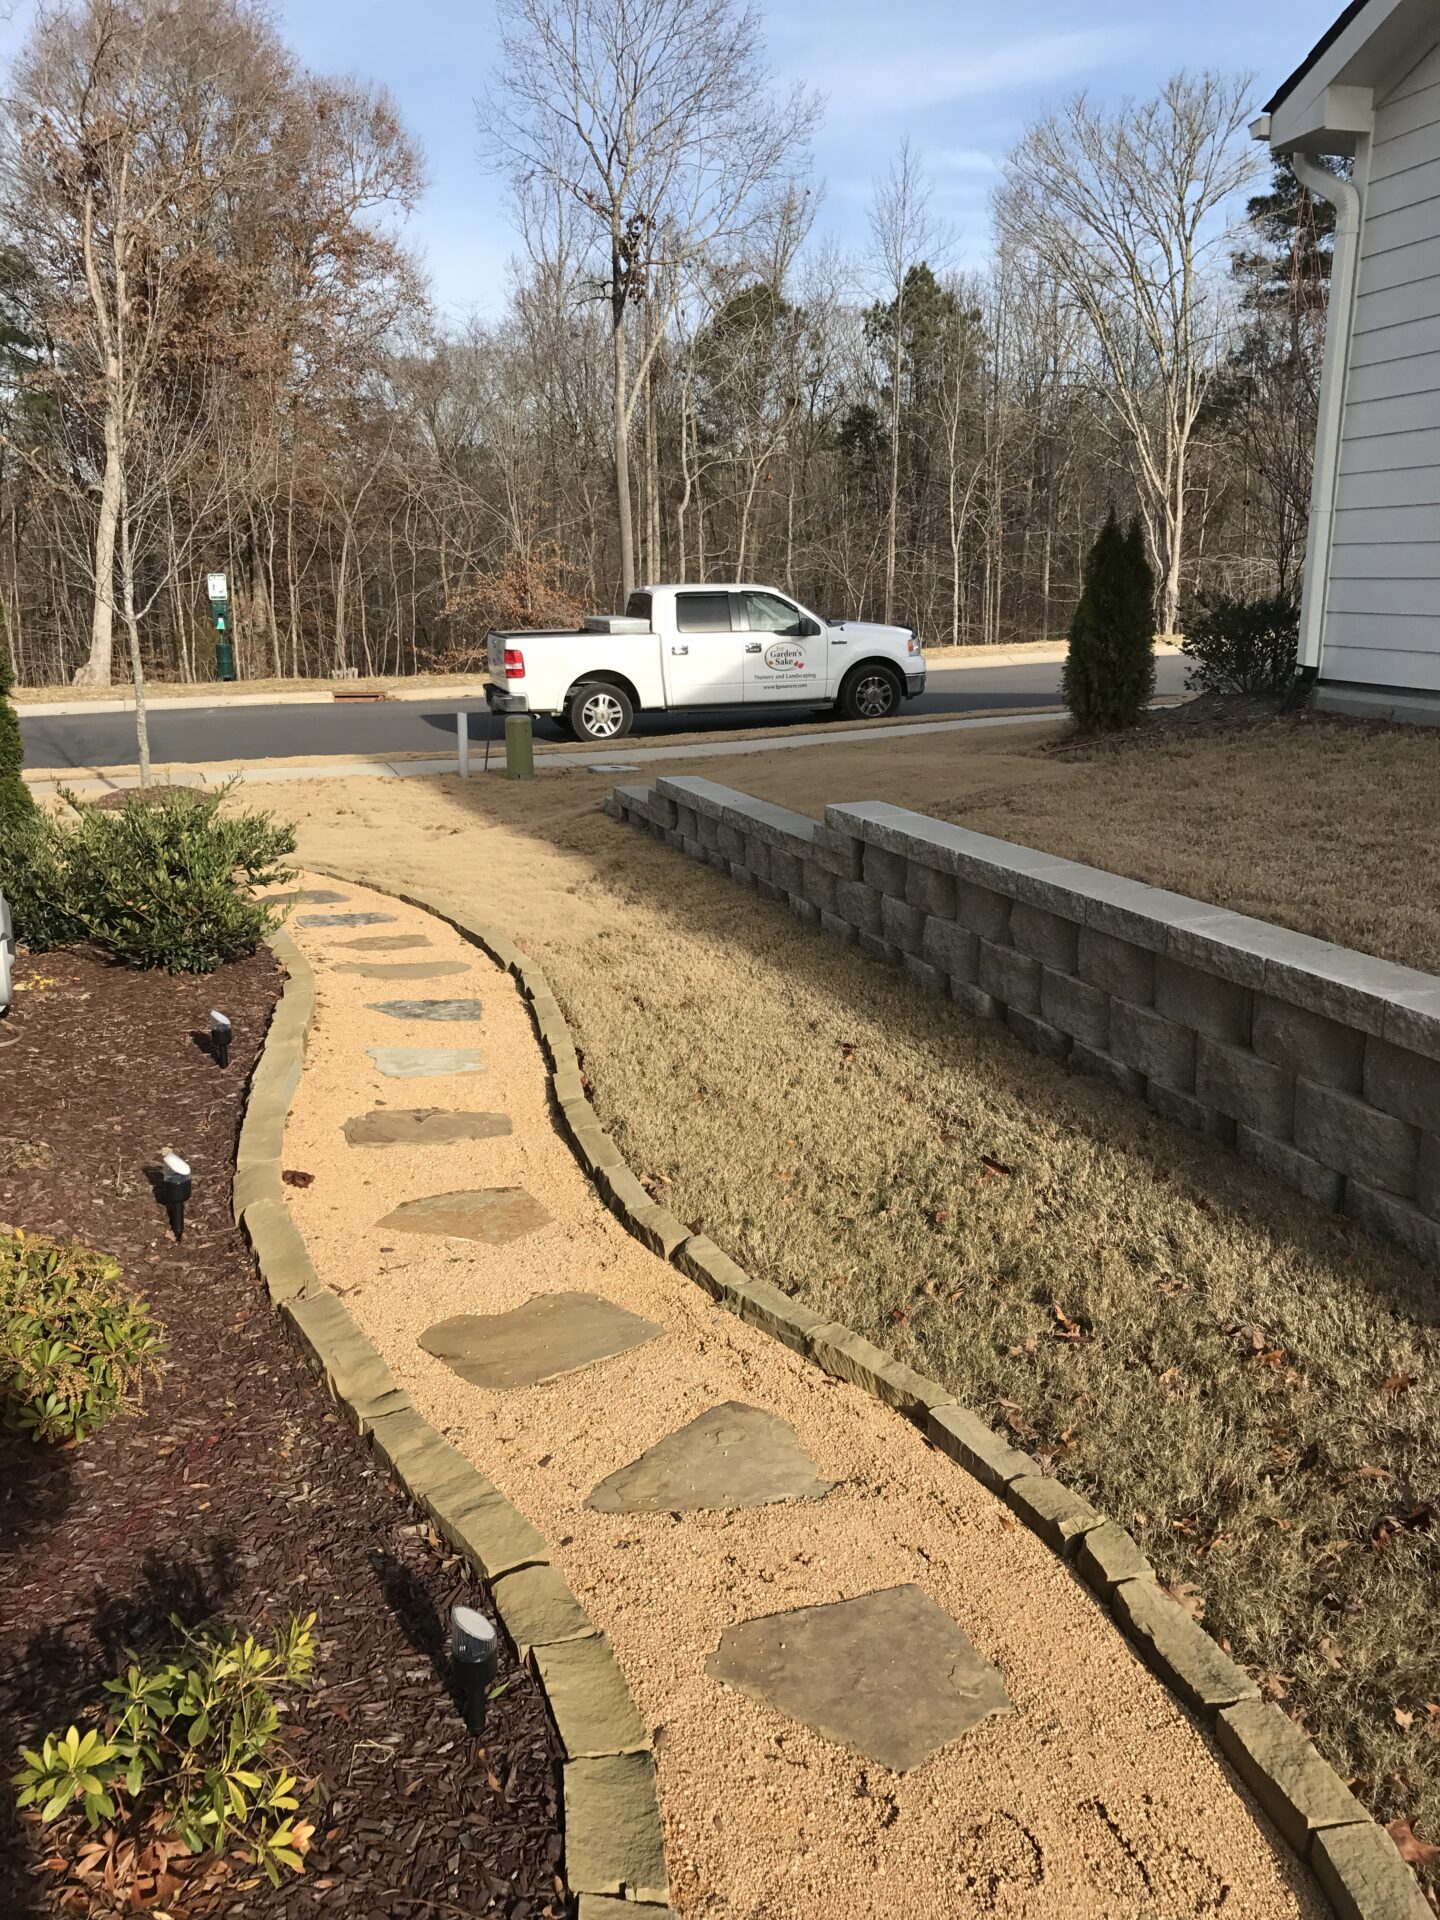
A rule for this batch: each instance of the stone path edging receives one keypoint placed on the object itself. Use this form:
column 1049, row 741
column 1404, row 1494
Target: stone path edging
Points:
column 1353, row 1859
column 614, row 1842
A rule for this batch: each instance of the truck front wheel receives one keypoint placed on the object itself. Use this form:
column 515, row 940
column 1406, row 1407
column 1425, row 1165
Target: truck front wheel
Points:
column 870, row 693
column 599, row 712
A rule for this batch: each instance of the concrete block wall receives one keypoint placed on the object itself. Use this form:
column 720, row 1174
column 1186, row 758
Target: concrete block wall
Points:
column 1318, row 1065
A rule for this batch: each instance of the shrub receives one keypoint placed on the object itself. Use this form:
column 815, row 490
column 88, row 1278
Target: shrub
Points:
column 186, row 1749
column 161, row 883
column 16, row 804
column 1109, row 676
column 75, row 1349
column 1241, row 646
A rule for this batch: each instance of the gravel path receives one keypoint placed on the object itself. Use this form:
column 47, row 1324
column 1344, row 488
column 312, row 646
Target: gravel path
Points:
column 1094, row 1797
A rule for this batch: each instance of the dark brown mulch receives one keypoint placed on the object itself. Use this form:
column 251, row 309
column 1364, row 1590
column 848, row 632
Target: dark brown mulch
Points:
column 239, row 1494
column 117, row 801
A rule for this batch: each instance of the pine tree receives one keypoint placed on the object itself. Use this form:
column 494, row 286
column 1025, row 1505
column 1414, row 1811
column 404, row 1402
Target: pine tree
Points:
column 15, row 801
column 1109, row 676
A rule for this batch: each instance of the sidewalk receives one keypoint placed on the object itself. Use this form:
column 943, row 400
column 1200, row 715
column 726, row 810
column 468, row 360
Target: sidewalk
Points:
column 866, row 1688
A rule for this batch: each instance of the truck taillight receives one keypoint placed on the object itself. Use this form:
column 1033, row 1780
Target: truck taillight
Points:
column 514, row 664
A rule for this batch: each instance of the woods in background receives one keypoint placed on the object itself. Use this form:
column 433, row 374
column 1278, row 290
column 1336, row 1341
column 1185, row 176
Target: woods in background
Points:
column 217, row 353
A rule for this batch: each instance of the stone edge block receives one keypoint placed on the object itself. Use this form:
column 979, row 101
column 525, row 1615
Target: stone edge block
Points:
column 614, row 1843
column 1363, row 1877
column 468, row 1511
column 1178, row 1649
column 1298, row 1790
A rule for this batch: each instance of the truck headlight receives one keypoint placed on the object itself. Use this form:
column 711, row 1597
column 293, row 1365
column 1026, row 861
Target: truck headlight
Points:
column 912, row 645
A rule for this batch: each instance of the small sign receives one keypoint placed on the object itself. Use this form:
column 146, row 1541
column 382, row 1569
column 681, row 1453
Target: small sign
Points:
column 215, row 587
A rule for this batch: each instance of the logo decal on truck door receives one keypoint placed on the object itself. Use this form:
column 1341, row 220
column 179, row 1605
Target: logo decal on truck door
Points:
column 785, row 657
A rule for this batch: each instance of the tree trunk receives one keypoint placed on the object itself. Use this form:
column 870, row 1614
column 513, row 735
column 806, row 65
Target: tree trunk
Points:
column 96, row 670
column 622, row 453
column 894, row 512
column 137, row 668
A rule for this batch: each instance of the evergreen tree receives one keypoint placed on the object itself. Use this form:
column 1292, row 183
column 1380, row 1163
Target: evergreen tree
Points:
column 1109, row 674
column 15, row 801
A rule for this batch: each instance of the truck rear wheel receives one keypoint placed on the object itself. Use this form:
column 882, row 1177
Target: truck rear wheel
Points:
column 599, row 712
column 871, row 693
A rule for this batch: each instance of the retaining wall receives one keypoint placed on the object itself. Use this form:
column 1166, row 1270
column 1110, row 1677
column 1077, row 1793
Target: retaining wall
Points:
column 1318, row 1065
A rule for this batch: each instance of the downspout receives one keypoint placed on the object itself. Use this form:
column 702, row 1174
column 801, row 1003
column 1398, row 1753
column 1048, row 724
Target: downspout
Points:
column 1344, row 197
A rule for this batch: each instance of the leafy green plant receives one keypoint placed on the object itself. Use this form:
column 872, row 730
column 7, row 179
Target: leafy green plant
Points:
column 16, row 804
column 75, row 1349
column 165, row 882
column 1109, row 676
column 188, row 1749
column 1241, row 646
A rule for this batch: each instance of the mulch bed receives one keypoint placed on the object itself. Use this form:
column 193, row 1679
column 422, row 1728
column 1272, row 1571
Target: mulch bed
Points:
column 239, row 1494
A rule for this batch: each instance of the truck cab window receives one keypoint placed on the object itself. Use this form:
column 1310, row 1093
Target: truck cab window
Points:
column 770, row 614
column 638, row 607
column 702, row 612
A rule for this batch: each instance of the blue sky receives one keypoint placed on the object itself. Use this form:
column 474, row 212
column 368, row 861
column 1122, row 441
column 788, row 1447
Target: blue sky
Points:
column 960, row 77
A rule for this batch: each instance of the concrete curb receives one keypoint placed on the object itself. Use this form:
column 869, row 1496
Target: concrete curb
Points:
column 614, row 1841
column 1353, row 1859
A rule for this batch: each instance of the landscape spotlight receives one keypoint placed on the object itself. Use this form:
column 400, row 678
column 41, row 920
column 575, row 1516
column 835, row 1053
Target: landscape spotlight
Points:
column 175, row 1190
column 475, row 1649
column 220, row 1032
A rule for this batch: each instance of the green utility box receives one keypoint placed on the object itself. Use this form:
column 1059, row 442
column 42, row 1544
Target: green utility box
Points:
column 519, row 747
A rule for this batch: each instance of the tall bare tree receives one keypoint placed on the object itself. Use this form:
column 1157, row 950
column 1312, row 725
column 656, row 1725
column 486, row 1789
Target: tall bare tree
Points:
column 1130, row 212
column 658, row 121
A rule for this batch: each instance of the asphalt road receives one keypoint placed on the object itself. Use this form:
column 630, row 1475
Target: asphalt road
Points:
column 224, row 734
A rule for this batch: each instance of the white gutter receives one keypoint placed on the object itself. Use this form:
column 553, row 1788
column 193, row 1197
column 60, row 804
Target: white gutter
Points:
column 1344, row 196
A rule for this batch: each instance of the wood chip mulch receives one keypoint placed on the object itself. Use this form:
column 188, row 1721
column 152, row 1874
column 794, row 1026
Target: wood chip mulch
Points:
column 239, row 1494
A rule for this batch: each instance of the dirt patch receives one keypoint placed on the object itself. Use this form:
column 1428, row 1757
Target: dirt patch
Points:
column 240, row 1493
column 764, row 1814
column 1251, row 1386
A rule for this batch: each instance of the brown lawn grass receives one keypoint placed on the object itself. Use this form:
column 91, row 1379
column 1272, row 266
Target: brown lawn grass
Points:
column 1251, row 1386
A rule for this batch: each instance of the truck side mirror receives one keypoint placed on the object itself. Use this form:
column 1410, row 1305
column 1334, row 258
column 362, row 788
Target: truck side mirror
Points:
column 809, row 629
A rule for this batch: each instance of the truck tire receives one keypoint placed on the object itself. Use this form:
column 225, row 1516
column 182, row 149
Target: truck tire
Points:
column 599, row 712
column 870, row 692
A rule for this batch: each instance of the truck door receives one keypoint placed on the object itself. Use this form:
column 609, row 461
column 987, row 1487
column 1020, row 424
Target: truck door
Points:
column 704, row 657
column 785, row 650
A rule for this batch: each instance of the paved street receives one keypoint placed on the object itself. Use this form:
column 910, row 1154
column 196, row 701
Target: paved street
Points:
column 396, row 727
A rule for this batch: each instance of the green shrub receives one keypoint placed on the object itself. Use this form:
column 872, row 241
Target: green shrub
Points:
column 16, row 804
column 1109, row 677
column 75, row 1349
column 1241, row 646
column 161, row 883
column 188, row 1748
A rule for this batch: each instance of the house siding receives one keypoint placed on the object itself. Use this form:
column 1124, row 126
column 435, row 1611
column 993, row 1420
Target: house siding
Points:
column 1382, row 610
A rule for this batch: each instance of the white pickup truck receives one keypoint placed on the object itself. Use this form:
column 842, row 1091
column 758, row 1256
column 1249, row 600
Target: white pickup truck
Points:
column 703, row 646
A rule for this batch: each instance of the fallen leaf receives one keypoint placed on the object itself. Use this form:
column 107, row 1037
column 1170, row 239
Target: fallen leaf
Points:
column 1187, row 1595
column 899, row 1316
column 293, row 1177
column 1397, row 1383
column 1067, row 1329
column 1414, row 1851
column 1403, row 1718
column 1168, row 1378
column 1330, row 1655
column 847, row 1051
column 991, row 1169
column 940, row 1216
column 1271, row 1357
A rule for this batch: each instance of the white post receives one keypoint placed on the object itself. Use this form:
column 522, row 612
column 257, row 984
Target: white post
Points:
column 462, row 741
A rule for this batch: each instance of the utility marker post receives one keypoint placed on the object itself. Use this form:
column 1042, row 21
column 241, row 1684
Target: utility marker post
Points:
column 462, row 742
column 218, row 591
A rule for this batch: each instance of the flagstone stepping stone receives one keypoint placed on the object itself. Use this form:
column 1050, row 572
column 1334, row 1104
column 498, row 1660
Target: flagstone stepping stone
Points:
column 317, row 896
column 422, row 1127
column 342, row 919
column 393, row 942
column 400, row 969
column 495, row 1215
column 552, row 1334
column 731, row 1456
column 428, row 1009
column 413, row 1063
column 888, row 1674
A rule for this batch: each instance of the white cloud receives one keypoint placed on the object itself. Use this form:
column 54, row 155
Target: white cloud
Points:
column 861, row 83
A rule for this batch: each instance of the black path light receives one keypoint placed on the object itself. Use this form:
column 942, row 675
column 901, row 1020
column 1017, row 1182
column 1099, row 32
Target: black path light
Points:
column 220, row 1036
column 475, row 1650
column 175, row 1190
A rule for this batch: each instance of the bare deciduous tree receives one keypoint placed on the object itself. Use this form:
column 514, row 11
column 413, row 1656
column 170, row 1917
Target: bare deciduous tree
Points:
column 1128, row 213
column 657, row 121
